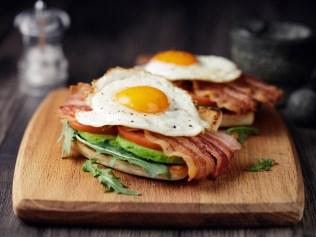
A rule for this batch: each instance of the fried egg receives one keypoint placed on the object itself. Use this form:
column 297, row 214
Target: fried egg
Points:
column 181, row 65
column 138, row 99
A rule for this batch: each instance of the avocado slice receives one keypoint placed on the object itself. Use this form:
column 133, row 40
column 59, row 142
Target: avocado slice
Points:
column 95, row 138
column 147, row 153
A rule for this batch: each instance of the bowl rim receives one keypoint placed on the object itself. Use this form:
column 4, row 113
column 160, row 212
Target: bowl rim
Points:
column 256, row 39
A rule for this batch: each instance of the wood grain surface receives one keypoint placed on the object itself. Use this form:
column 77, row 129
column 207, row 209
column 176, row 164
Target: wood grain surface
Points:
column 49, row 189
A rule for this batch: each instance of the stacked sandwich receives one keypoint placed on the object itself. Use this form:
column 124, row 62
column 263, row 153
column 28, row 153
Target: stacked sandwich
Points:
column 215, row 82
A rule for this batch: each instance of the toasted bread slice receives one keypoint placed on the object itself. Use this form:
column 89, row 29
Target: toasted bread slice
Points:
column 177, row 172
column 212, row 116
column 215, row 118
column 230, row 120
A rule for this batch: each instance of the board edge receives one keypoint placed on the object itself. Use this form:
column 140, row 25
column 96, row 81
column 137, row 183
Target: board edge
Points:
column 16, row 190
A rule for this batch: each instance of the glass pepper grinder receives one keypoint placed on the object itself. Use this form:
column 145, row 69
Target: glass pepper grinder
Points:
column 43, row 65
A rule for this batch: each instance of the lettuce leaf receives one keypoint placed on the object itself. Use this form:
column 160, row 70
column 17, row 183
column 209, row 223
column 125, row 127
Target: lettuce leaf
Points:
column 243, row 132
column 110, row 147
column 67, row 136
column 262, row 165
column 107, row 178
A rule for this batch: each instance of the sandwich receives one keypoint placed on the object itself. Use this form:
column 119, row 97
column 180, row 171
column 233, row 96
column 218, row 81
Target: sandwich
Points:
column 214, row 82
column 141, row 124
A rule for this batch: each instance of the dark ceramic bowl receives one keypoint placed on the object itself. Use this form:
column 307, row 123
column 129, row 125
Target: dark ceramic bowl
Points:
column 282, row 53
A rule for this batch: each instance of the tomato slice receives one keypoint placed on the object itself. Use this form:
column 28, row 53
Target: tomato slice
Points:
column 137, row 136
column 199, row 100
column 86, row 128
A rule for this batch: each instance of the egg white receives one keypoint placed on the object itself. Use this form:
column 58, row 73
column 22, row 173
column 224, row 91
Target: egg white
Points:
column 208, row 68
column 180, row 119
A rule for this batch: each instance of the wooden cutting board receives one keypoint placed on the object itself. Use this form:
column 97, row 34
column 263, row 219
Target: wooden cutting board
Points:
column 47, row 188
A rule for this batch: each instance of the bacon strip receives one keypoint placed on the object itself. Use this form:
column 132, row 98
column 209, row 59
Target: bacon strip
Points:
column 206, row 155
column 240, row 96
column 76, row 101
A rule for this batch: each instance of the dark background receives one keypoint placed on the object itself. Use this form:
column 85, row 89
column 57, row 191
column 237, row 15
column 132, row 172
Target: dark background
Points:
column 109, row 33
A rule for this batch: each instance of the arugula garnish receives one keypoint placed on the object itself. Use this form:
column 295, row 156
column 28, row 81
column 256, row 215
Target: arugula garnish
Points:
column 107, row 178
column 67, row 135
column 111, row 148
column 262, row 165
column 243, row 132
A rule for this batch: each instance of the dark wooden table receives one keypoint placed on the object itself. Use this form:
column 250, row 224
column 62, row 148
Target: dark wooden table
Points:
column 113, row 35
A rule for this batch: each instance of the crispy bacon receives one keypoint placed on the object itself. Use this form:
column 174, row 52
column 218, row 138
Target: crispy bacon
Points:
column 263, row 92
column 75, row 101
column 206, row 155
column 240, row 96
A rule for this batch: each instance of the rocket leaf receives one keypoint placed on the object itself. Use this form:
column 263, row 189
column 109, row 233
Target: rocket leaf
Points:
column 107, row 178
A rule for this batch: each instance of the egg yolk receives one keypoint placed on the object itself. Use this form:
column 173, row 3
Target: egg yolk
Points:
column 143, row 99
column 181, row 58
